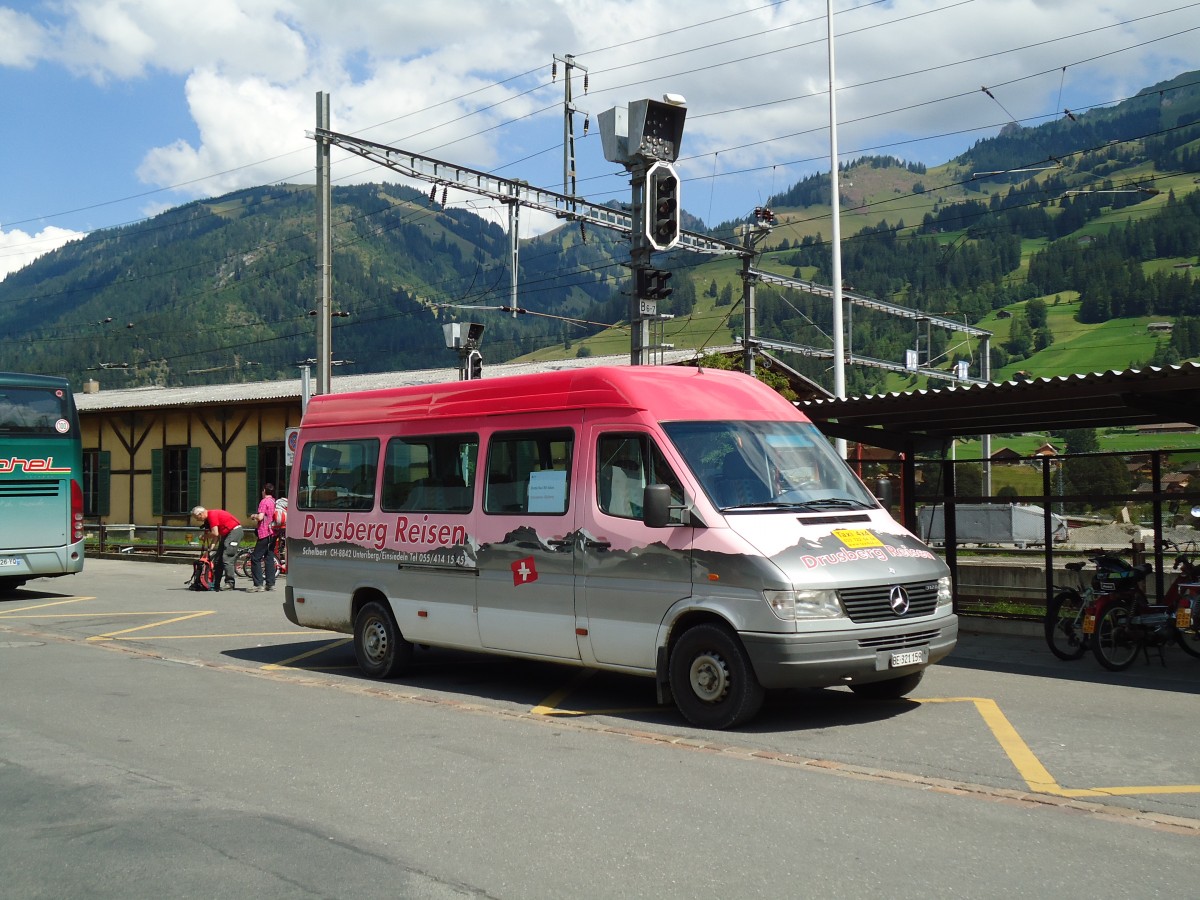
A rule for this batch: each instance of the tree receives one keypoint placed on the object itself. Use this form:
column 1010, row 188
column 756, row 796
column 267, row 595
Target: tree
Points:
column 1020, row 337
column 1035, row 311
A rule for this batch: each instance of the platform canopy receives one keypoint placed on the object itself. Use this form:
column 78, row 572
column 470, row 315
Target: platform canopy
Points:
column 930, row 419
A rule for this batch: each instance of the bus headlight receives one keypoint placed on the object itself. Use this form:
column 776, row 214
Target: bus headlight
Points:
column 945, row 596
column 808, row 604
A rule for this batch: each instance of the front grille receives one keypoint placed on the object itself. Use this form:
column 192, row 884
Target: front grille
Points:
column 871, row 603
column 899, row 641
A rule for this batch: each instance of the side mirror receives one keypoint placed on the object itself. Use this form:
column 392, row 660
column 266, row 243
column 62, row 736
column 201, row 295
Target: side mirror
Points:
column 656, row 505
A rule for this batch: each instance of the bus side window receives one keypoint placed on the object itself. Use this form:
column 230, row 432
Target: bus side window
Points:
column 626, row 463
column 338, row 475
column 529, row 472
column 430, row 473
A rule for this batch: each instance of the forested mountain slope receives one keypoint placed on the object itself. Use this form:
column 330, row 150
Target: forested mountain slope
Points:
column 1038, row 234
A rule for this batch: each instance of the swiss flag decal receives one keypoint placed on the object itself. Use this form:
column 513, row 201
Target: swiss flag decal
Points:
column 524, row 571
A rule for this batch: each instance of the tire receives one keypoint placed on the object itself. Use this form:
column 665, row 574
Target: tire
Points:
column 242, row 564
column 892, row 689
column 10, row 584
column 1064, row 626
column 1189, row 640
column 381, row 651
column 1113, row 644
column 711, row 678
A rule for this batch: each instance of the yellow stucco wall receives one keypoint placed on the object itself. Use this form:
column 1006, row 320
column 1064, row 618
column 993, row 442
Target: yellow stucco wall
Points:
column 222, row 434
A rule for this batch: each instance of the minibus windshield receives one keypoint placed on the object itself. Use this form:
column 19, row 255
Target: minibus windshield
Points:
column 783, row 465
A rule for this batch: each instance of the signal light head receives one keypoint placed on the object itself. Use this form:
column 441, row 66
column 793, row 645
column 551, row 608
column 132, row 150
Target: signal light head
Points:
column 662, row 206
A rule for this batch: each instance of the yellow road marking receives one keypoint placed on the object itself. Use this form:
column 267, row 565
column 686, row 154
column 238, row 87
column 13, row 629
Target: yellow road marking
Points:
column 1030, row 768
column 116, row 634
column 549, row 705
column 12, row 613
column 287, row 663
column 200, row 637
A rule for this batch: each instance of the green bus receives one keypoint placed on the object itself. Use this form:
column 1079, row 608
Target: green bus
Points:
column 41, row 480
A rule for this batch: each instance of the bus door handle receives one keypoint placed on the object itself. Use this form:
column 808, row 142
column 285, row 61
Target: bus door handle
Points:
column 594, row 544
column 564, row 544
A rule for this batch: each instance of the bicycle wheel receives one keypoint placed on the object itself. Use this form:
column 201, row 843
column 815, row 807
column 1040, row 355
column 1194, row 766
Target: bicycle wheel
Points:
column 242, row 564
column 1113, row 643
column 1189, row 638
column 1064, row 626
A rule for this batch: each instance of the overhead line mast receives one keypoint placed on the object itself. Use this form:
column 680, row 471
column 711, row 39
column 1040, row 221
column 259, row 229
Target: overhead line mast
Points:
column 654, row 224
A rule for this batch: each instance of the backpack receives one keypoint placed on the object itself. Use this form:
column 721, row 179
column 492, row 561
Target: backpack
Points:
column 279, row 523
column 202, row 575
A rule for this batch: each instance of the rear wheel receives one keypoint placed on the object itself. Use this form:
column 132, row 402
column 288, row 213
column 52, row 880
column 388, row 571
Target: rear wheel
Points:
column 892, row 689
column 10, row 584
column 242, row 564
column 1113, row 643
column 1189, row 638
column 380, row 649
column 711, row 678
column 1064, row 626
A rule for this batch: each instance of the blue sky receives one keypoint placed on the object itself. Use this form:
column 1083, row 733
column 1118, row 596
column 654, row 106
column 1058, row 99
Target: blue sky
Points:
column 117, row 109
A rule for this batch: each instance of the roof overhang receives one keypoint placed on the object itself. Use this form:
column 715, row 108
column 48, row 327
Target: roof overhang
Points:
column 929, row 420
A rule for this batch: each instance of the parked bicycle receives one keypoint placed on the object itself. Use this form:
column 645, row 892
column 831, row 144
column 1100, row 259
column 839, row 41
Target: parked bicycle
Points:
column 243, row 566
column 1130, row 625
column 1072, row 612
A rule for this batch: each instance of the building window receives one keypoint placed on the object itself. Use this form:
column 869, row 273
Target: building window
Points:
column 175, row 495
column 175, row 480
column 96, row 478
column 273, row 467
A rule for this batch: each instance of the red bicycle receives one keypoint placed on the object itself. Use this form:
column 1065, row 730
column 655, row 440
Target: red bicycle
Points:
column 1131, row 624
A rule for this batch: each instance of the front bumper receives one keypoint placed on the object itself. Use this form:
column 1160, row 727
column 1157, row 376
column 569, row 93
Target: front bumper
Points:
column 857, row 655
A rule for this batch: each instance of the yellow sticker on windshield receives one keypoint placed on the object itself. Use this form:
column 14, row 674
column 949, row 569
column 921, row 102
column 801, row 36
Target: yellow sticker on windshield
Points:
column 855, row 538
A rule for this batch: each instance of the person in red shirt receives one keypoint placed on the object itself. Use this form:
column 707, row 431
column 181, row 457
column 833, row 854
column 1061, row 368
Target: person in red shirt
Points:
column 222, row 534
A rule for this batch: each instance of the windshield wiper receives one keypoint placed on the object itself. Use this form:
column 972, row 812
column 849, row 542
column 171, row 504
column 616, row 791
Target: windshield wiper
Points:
column 834, row 503
column 823, row 503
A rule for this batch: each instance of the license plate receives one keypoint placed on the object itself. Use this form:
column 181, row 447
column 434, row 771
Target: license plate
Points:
column 1089, row 624
column 1183, row 617
column 7, row 562
column 909, row 658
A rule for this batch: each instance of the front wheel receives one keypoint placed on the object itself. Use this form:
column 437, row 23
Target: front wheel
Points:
column 1064, row 626
column 242, row 565
column 712, row 680
column 379, row 647
column 1113, row 643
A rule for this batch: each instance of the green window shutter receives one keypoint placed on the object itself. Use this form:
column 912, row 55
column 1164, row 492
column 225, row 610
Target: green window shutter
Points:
column 193, row 477
column 252, row 477
column 103, row 482
column 156, row 482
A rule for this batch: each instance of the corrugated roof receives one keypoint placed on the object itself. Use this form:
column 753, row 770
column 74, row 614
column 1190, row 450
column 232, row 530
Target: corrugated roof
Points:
column 932, row 417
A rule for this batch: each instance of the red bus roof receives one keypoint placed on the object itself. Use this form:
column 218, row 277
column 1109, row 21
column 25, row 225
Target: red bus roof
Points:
column 668, row 393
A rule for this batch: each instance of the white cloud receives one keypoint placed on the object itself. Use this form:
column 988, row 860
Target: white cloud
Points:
column 24, row 39
column 439, row 77
column 19, row 248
